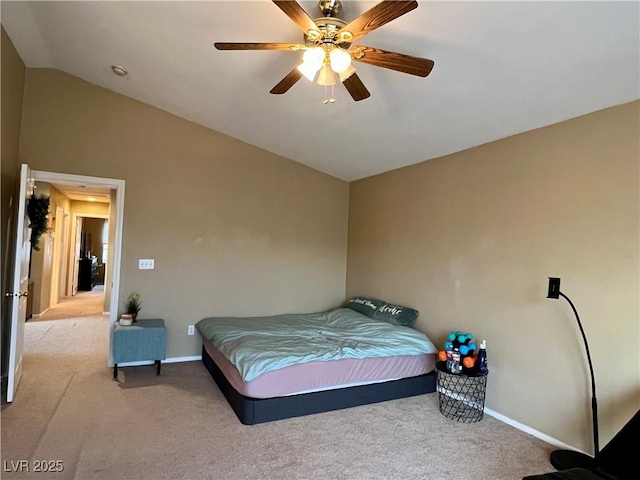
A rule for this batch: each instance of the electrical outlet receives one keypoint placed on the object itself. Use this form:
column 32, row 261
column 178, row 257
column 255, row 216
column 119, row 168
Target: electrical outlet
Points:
column 146, row 264
column 191, row 330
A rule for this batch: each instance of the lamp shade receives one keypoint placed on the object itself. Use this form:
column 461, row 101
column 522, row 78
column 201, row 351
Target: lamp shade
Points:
column 314, row 57
column 340, row 60
column 308, row 71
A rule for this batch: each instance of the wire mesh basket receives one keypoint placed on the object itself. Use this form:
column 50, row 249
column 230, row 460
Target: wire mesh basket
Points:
column 461, row 396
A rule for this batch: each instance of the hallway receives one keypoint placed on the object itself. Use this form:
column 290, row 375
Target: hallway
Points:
column 83, row 304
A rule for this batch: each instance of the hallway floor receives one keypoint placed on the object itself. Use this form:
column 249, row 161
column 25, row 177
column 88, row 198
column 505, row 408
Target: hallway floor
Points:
column 83, row 304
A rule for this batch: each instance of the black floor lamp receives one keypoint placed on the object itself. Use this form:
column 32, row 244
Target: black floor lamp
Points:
column 564, row 459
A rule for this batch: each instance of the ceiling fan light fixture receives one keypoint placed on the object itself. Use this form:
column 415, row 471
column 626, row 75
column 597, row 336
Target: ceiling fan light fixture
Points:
column 340, row 60
column 314, row 57
column 347, row 73
column 308, row 71
column 326, row 77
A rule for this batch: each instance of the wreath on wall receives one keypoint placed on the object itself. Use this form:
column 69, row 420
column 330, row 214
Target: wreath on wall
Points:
column 37, row 210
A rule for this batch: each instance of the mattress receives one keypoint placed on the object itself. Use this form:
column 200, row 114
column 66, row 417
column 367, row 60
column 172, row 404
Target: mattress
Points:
column 322, row 375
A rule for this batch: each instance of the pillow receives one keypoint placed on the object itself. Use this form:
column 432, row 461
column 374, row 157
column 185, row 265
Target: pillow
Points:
column 397, row 315
column 364, row 305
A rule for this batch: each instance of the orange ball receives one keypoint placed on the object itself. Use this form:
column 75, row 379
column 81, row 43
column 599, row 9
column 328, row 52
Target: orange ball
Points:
column 442, row 356
column 469, row 362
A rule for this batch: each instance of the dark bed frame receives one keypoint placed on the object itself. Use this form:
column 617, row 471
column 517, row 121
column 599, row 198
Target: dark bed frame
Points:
column 251, row 411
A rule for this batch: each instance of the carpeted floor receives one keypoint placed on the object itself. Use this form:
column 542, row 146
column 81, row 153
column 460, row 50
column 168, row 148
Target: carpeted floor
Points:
column 178, row 426
column 81, row 305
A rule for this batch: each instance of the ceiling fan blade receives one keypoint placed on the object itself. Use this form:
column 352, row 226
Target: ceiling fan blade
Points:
column 392, row 60
column 376, row 17
column 259, row 46
column 296, row 13
column 356, row 88
column 287, row 82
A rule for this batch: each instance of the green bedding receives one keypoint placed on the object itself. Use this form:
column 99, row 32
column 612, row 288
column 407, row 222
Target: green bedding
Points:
column 260, row 344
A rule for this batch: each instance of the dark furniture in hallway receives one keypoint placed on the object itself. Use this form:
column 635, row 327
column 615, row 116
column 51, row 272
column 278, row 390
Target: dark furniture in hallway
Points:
column 87, row 273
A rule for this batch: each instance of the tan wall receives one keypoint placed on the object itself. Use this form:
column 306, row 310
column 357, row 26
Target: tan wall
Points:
column 233, row 229
column 470, row 239
column 89, row 208
column 13, row 74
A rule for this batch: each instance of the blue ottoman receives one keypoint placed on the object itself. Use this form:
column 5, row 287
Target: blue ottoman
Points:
column 144, row 340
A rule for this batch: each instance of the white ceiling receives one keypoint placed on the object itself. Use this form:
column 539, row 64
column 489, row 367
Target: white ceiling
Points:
column 500, row 68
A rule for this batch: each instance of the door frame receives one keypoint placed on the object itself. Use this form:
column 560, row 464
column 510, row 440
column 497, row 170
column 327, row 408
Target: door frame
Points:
column 74, row 245
column 75, row 256
column 118, row 223
column 64, row 260
column 56, row 262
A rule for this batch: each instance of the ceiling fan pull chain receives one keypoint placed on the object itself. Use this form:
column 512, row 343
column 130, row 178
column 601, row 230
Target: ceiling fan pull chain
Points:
column 328, row 99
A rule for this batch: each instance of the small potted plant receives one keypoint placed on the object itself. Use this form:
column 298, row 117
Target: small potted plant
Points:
column 133, row 305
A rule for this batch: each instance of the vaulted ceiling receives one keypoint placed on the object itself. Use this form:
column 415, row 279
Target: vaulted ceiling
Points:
column 501, row 68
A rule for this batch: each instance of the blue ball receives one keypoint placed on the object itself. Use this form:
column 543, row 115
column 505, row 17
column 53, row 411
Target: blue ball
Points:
column 452, row 336
column 448, row 346
column 472, row 346
column 464, row 349
column 462, row 338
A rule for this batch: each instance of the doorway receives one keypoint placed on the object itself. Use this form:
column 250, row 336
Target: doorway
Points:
column 19, row 278
column 104, row 191
column 69, row 268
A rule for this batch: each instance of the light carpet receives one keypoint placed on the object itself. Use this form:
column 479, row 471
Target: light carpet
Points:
column 179, row 426
column 84, row 303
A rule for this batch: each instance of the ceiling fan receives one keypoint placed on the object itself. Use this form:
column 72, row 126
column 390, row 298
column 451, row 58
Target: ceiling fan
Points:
column 328, row 48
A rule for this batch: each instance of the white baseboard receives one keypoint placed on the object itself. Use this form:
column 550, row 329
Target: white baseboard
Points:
column 168, row 360
column 520, row 426
column 36, row 315
column 106, row 313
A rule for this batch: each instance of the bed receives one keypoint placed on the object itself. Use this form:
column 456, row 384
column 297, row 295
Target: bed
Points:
column 272, row 368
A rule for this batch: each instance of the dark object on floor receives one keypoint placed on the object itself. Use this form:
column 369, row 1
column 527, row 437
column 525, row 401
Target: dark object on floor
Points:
column 616, row 461
column 570, row 474
column 251, row 411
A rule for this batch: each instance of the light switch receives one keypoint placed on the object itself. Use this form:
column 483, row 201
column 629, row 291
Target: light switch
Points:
column 145, row 264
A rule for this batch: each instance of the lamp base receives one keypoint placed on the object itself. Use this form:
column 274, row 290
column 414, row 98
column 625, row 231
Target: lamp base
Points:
column 564, row 459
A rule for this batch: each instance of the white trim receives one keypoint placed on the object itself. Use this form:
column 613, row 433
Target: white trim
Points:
column 36, row 315
column 520, row 426
column 118, row 186
column 89, row 215
column 168, row 360
column 106, row 313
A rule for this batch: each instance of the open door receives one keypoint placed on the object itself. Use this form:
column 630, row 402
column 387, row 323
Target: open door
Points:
column 76, row 256
column 19, row 284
